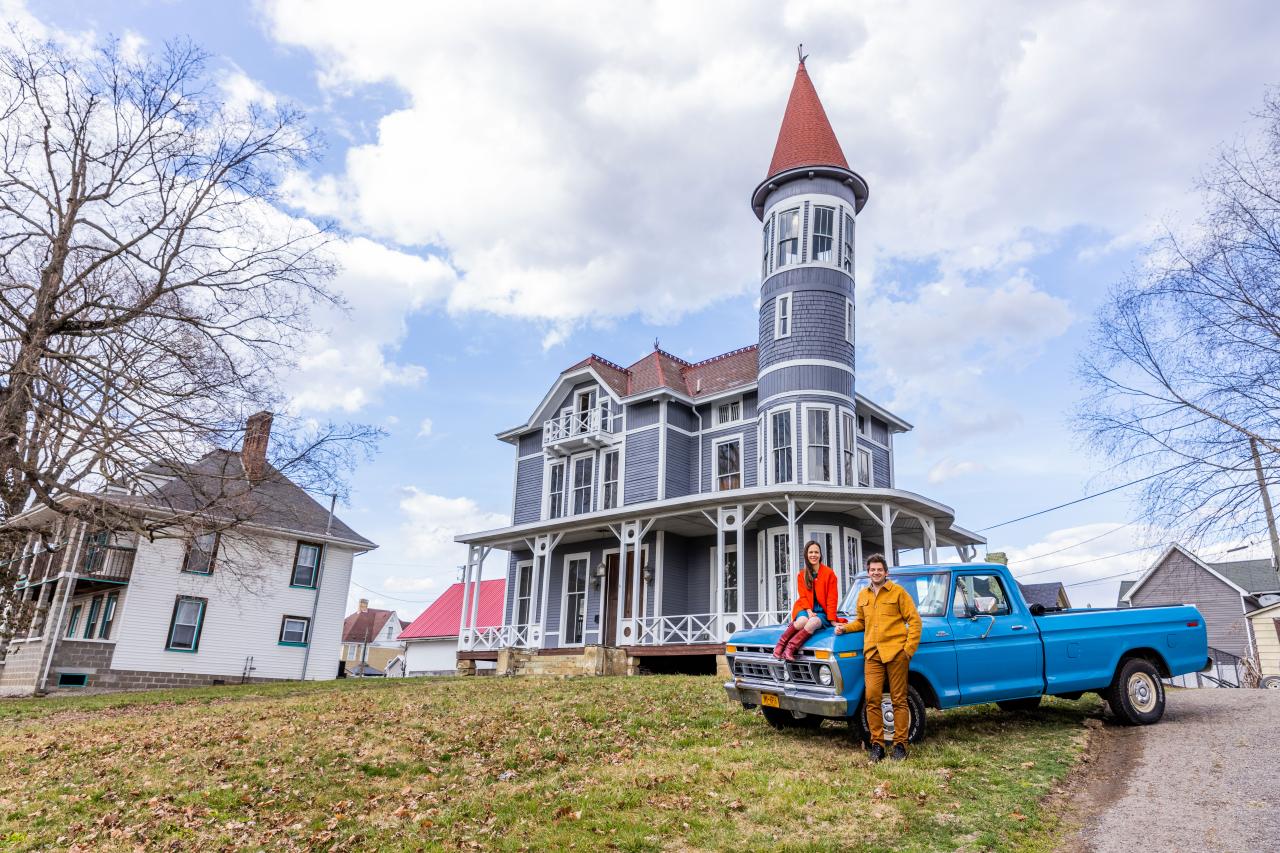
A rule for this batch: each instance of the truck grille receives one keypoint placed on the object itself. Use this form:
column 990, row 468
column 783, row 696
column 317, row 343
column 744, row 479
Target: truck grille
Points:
column 801, row 673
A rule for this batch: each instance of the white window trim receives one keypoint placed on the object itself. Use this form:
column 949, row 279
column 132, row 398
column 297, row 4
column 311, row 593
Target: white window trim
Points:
column 603, row 454
column 521, row 566
column 871, row 468
column 836, row 559
column 811, row 232
column 569, row 486
column 768, row 433
column 770, row 570
column 564, row 599
column 728, row 549
column 831, row 433
column 551, row 462
column 796, row 204
column 806, row 232
column 715, row 451
column 778, row 314
column 847, row 533
column 848, row 320
column 715, row 411
column 852, row 434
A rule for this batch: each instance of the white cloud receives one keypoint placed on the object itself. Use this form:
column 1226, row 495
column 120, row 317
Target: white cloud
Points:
column 427, row 534
column 403, row 584
column 949, row 469
column 424, row 428
column 1092, row 559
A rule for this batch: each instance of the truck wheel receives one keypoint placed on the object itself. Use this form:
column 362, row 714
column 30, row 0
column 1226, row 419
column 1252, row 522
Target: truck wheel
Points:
column 1031, row 703
column 861, row 732
column 781, row 718
column 1136, row 696
column 1271, row 682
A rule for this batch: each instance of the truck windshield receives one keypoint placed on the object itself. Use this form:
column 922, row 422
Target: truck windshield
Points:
column 929, row 591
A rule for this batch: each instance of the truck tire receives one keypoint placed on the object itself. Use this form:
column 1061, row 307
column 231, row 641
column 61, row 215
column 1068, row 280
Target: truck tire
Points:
column 861, row 734
column 1271, row 682
column 1136, row 696
column 781, row 718
column 1031, row 703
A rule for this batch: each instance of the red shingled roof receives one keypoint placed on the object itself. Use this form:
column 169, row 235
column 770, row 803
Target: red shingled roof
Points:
column 806, row 137
column 444, row 615
column 366, row 626
column 661, row 369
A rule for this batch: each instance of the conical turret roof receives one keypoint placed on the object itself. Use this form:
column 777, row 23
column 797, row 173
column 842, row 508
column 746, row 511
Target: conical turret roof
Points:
column 806, row 137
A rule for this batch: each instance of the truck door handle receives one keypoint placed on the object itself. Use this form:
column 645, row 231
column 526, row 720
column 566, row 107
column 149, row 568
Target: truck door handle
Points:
column 1018, row 628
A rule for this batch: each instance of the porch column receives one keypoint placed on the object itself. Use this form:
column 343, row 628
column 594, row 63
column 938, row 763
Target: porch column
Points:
column 885, row 518
column 793, row 544
column 476, row 555
column 930, row 541
column 466, row 601
column 543, row 547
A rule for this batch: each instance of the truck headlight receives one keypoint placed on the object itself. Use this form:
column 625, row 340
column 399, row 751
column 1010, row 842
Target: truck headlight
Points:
column 824, row 676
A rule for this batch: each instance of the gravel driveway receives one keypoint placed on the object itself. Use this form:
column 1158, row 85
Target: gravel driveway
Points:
column 1206, row 777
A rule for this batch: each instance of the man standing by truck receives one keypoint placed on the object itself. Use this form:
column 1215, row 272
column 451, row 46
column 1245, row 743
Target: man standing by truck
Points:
column 888, row 616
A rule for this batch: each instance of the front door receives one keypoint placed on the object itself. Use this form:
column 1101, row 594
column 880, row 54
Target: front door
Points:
column 619, row 592
column 611, row 599
column 998, row 654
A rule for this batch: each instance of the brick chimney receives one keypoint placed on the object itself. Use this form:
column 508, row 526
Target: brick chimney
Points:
column 253, row 453
column 364, row 605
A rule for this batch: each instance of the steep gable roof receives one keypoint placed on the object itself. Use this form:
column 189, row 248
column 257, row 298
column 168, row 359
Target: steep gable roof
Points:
column 1252, row 575
column 444, row 616
column 1045, row 594
column 366, row 626
column 806, row 137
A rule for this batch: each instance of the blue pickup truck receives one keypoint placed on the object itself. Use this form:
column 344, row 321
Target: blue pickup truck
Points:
column 980, row 643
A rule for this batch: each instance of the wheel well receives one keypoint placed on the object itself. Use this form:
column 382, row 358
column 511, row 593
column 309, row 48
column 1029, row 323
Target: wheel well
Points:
column 924, row 688
column 1150, row 655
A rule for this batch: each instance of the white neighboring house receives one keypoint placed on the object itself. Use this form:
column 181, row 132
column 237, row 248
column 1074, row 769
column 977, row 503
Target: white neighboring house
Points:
column 260, row 601
column 431, row 640
column 370, row 644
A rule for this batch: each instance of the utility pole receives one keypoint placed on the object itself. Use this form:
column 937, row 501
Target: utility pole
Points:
column 1266, row 505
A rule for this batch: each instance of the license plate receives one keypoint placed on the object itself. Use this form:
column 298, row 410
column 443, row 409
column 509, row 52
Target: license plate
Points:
column 769, row 700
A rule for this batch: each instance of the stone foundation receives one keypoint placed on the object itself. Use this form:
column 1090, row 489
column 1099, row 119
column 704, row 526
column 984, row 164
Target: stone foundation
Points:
column 593, row 660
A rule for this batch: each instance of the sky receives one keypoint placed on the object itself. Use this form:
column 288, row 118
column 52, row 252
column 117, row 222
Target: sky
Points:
column 517, row 185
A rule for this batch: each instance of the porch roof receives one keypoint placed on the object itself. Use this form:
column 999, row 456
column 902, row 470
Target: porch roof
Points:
column 684, row 515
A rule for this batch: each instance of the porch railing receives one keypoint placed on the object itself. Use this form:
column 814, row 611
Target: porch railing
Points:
column 682, row 629
column 494, row 637
column 574, row 424
column 108, row 562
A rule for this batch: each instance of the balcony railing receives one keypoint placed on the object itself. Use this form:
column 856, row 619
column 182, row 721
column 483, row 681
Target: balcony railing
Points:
column 683, row 629
column 495, row 637
column 108, row 563
column 590, row 428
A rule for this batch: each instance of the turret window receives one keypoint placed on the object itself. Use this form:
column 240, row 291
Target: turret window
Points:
column 848, row 244
column 782, row 316
column 824, row 222
column 780, row 439
column 789, row 237
column 848, row 320
column 817, row 461
column 848, row 447
column 764, row 257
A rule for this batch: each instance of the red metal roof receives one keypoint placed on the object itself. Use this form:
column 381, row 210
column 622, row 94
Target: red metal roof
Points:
column 444, row 615
column 806, row 137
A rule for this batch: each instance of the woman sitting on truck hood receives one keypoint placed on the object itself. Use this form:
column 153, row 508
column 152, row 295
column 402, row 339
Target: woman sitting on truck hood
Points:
column 817, row 598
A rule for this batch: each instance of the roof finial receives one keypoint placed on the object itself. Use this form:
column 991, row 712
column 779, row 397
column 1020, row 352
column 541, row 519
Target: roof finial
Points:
column 655, row 344
column 800, row 53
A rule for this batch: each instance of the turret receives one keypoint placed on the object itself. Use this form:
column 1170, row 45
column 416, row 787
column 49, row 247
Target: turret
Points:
column 808, row 205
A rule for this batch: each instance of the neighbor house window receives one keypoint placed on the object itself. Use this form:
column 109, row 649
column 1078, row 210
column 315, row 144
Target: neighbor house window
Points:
column 75, row 620
column 185, row 626
column 202, row 550
column 781, row 443
column 294, row 630
column 95, row 608
column 864, row 467
column 575, row 599
column 729, row 465
column 789, row 237
column 108, row 616
column 583, row 470
column 824, row 223
column 782, row 316
column 848, row 244
column 848, row 448
column 555, row 495
column 817, row 460
column 609, row 486
column 306, row 565
column 848, row 320
column 727, row 413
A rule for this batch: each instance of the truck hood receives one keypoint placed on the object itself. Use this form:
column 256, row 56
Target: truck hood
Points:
column 768, row 635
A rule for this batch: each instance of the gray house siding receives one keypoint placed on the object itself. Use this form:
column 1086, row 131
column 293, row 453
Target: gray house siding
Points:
column 824, row 186
column 802, row 378
column 642, row 414
column 1179, row 580
column 817, row 330
column 675, row 557
column 698, row 575
column 641, row 467
column 528, row 490
column 879, row 430
column 680, row 415
column 531, row 442
column 682, row 462
column 880, row 474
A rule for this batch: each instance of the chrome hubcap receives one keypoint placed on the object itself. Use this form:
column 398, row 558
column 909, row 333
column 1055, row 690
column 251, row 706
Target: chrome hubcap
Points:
column 1142, row 692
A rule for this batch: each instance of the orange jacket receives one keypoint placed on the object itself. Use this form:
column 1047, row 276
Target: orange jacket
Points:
column 824, row 592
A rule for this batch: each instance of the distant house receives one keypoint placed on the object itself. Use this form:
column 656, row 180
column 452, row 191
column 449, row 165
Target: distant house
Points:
column 256, row 600
column 1048, row 595
column 369, row 641
column 1225, row 593
column 431, row 640
column 1266, row 636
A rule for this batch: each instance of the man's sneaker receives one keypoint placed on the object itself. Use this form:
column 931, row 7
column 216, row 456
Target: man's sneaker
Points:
column 877, row 752
column 899, row 752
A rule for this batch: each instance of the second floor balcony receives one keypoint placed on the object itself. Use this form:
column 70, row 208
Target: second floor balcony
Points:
column 575, row 430
column 108, row 563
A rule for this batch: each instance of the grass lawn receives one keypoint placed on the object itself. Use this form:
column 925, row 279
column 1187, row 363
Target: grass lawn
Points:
column 649, row 763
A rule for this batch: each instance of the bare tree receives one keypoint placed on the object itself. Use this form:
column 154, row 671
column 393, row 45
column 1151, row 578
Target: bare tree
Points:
column 1184, row 367
column 152, row 289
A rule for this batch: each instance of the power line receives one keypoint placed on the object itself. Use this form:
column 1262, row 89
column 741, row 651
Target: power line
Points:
column 1085, row 562
column 394, row 598
column 1107, row 578
column 1078, row 544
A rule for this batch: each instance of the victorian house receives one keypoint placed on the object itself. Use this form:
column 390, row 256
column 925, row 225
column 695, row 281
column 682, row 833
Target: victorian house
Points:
column 662, row 505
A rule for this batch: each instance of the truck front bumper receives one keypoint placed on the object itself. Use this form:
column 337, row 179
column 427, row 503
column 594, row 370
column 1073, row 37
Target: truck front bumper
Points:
column 819, row 704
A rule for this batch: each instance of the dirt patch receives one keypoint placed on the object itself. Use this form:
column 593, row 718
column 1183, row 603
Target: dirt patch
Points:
column 1098, row 781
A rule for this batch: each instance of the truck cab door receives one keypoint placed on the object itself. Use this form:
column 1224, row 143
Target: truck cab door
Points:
column 998, row 652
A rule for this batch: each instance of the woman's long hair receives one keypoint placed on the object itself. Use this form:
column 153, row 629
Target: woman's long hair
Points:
column 810, row 573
